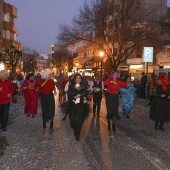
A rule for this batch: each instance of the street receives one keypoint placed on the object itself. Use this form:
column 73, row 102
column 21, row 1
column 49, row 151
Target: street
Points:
column 135, row 145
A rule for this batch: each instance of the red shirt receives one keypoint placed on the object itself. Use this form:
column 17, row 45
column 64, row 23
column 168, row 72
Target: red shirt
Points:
column 7, row 88
column 114, row 88
column 48, row 87
column 63, row 83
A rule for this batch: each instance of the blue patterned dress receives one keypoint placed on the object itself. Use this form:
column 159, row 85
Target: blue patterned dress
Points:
column 128, row 96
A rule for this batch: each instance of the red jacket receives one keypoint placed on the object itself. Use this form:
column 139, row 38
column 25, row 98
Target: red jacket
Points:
column 7, row 88
column 114, row 88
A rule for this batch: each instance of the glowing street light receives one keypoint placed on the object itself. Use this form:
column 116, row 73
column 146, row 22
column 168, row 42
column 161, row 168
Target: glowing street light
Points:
column 101, row 54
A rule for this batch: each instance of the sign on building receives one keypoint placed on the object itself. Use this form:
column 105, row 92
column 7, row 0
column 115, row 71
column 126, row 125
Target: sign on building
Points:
column 148, row 54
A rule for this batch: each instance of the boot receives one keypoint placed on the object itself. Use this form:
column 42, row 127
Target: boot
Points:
column 156, row 125
column 44, row 124
column 161, row 126
column 51, row 125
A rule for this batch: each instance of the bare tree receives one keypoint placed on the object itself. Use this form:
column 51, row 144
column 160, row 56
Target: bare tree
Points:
column 60, row 57
column 129, row 25
column 30, row 50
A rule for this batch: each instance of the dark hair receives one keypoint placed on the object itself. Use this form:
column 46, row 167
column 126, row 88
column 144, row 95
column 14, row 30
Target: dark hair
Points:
column 29, row 75
column 73, row 81
column 127, row 77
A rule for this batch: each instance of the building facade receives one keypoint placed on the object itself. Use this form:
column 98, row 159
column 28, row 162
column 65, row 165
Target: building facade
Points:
column 10, row 48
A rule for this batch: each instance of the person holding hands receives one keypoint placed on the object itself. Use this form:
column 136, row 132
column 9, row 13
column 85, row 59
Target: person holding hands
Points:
column 113, row 85
column 6, row 91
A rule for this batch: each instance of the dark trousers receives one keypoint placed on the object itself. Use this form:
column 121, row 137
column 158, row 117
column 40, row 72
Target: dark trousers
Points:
column 4, row 114
column 76, row 116
column 97, row 97
column 48, row 106
column 143, row 92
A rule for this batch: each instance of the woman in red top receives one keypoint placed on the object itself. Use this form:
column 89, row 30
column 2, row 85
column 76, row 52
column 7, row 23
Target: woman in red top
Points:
column 6, row 90
column 47, row 86
column 113, row 84
column 30, row 88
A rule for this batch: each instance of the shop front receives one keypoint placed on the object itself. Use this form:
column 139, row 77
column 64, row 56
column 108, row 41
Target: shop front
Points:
column 136, row 67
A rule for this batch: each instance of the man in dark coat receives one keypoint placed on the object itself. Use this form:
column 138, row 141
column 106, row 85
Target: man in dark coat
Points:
column 143, row 85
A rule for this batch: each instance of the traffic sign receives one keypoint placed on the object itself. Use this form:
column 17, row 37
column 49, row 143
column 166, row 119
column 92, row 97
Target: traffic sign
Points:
column 148, row 54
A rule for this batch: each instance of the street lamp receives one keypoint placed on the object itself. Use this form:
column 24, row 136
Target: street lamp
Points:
column 101, row 54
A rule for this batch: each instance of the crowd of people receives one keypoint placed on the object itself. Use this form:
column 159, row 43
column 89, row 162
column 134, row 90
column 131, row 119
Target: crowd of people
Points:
column 78, row 93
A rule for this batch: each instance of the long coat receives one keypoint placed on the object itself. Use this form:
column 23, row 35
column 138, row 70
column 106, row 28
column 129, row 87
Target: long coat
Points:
column 159, row 110
column 128, row 97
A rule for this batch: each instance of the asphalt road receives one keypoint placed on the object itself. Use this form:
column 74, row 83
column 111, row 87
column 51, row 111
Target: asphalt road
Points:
column 134, row 146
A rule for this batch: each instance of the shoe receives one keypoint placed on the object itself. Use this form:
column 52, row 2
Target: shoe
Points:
column 156, row 125
column 28, row 115
column 33, row 116
column 44, row 124
column 127, row 116
column 161, row 126
column 51, row 125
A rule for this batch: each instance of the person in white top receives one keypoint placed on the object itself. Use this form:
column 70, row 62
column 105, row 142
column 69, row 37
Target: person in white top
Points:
column 67, row 86
column 16, row 84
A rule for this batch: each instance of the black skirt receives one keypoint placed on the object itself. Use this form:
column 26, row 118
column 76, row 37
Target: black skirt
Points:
column 48, row 106
column 111, row 105
column 159, row 110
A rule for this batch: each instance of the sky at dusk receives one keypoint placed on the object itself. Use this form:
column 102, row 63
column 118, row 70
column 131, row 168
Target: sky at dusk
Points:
column 38, row 20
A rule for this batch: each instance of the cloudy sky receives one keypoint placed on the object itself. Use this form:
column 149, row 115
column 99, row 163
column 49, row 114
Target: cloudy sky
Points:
column 38, row 20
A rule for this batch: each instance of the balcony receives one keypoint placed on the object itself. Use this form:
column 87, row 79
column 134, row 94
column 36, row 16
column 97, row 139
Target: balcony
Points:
column 12, row 10
column 7, row 26
column 15, row 30
column 15, row 12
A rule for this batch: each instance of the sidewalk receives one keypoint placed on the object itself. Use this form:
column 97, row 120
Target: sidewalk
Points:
column 27, row 145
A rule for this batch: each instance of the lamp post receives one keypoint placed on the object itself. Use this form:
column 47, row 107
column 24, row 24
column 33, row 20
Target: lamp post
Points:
column 101, row 54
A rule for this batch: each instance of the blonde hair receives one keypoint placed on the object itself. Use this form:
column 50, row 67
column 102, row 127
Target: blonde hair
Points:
column 4, row 73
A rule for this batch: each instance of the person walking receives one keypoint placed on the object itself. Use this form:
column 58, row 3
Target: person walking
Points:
column 97, row 94
column 143, row 82
column 16, row 84
column 77, row 95
column 60, row 88
column 30, row 88
column 128, row 97
column 21, row 81
column 113, row 85
column 47, row 87
column 152, row 85
column 159, row 110
column 6, row 91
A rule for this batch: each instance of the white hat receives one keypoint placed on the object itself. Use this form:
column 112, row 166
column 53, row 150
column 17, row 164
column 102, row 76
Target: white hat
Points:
column 46, row 73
